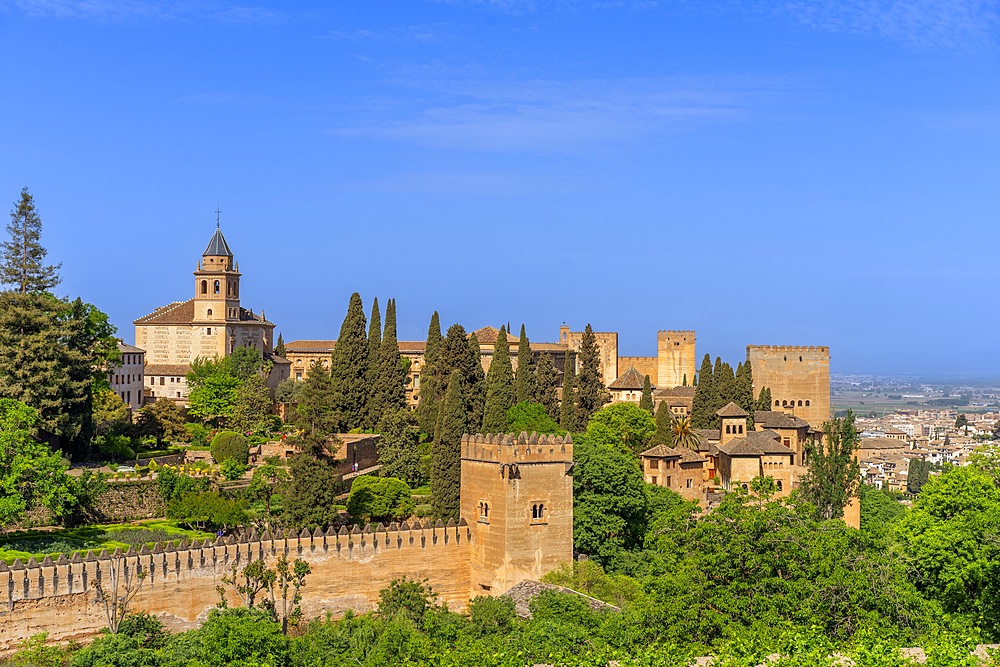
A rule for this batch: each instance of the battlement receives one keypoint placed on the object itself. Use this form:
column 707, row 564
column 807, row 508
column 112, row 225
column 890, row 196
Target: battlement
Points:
column 777, row 349
column 508, row 448
column 675, row 332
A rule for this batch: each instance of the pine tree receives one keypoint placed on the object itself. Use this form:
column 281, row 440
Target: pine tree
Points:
column 702, row 413
column 664, row 434
column 279, row 348
column 23, row 256
column 499, row 387
column 349, row 365
column 389, row 375
column 524, row 385
column 568, row 405
column 446, row 452
column 590, row 395
column 764, row 400
column 646, row 402
column 318, row 400
column 546, row 383
column 430, row 378
column 475, row 382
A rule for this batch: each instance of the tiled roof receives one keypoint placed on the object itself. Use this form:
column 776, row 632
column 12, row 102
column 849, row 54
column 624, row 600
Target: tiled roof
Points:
column 275, row 359
column 661, row 451
column 217, row 246
column 125, row 348
column 630, row 379
column 488, row 336
column 167, row 369
column 309, row 346
column 690, row 456
column 707, row 433
column 178, row 312
column 882, row 443
column 685, row 392
column 731, row 410
column 774, row 419
column 756, row 444
column 412, row 345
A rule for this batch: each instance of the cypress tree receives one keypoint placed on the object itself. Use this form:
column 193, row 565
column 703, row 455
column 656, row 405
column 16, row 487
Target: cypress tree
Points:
column 431, row 386
column 664, row 434
column 373, row 410
column 446, row 453
column 702, row 413
column 546, row 382
column 22, row 260
column 499, row 387
column 279, row 348
column 646, row 402
column 568, row 406
column 591, row 395
column 475, row 382
column 764, row 400
column 725, row 386
column 744, row 392
column 524, row 386
column 684, row 382
column 388, row 391
column 349, row 365
column 318, row 401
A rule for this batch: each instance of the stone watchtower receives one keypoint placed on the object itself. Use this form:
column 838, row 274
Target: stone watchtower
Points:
column 675, row 363
column 517, row 497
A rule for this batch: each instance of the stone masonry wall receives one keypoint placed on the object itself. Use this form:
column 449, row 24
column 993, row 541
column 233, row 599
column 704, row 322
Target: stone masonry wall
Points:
column 348, row 570
column 798, row 377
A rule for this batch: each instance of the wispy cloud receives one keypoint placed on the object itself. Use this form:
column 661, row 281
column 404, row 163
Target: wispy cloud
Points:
column 541, row 116
column 953, row 24
column 123, row 10
column 425, row 34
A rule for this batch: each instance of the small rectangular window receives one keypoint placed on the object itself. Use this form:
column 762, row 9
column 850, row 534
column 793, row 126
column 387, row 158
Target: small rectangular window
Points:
column 690, row 482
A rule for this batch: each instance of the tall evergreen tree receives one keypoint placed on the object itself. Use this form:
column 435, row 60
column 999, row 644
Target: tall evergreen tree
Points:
column 22, row 263
column 664, row 434
column 349, row 365
column 431, row 386
column 545, row 385
column 524, row 385
column 446, row 452
column 389, row 375
column 590, row 394
column 568, row 405
column 646, row 402
column 318, row 409
column 475, row 382
column 764, row 400
column 702, row 413
column 373, row 411
column 499, row 387
column 744, row 392
column 833, row 474
column 279, row 348
column 725, row 385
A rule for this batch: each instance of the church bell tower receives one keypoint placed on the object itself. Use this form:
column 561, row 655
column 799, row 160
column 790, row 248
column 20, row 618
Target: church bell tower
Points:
column 217, row 283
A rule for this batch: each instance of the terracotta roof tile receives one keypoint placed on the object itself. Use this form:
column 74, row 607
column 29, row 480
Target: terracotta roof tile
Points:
column 178, row 312
column 631, row 379
column 167, row 369
column 756, row 443
column 775, row 419
column 731, row 410
column 309, row 346
column 488, row 336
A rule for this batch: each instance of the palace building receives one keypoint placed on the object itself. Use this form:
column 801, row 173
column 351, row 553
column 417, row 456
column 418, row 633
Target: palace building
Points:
column 209, row 325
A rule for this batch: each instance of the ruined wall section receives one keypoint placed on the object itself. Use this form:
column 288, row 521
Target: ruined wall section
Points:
column 798, row 377
column 676, row 358
column 348, row 570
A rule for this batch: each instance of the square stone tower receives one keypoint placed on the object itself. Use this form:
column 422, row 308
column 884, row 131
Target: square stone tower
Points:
column 675, row 358
column 517, row 496
column 798, row 377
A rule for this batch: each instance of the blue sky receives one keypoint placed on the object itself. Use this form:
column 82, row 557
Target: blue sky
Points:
column 812, row 172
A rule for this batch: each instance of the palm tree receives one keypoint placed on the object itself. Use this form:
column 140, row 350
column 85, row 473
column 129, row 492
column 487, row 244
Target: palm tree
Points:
column 684, row 435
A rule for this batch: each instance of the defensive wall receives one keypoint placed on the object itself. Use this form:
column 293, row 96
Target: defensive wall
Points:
column 676, row 358
column 348, row 570
column 516, row 525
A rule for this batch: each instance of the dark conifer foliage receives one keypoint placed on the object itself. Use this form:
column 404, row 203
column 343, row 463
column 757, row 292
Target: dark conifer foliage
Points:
column 373, row 411
column 349, row 365
column 725, row 385
column 389, row 376
column 744, row 392
column 279, row 348
column 664, row 434
column 475, row 382
column 568, row 404
column 590, row 394
column 431, row 384
column 446, row 453
column 702, row 413
column 646, row 402
column 545, row 385
column 764, row 399
column 524, row 383
column 499, row 387
column 318, row 400
column 22, row 257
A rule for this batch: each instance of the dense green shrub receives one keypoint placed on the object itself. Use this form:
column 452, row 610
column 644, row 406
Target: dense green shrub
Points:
column 230, row 445
column 379, row 499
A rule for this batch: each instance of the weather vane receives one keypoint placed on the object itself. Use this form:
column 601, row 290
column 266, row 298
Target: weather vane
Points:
column 218, row 217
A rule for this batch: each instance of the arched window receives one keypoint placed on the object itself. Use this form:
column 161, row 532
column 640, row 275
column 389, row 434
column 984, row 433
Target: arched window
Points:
column 800, row 403
column 776, row 404
column 209, row 312
column 216, row 287
column 807, row 403
column 204, row 287
column 784, row 404
column 741, row 428
column 727, row 428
